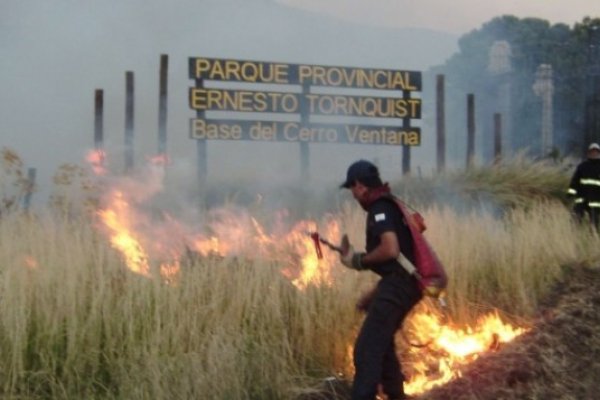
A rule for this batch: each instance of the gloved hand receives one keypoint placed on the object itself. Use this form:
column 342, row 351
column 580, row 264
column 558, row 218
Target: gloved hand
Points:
column 348, row 256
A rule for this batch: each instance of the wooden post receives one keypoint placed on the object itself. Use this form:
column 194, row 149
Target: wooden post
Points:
column 201, row 152
column 129, row 112
column 304, row 161
column 497, row 138
column 304, row 149
column 98, row 119
column 544, row 88
column 405, row 160
column 162, row 105
column 440, row 124
column 470, row 130
column 31, row 172
column 406, row 148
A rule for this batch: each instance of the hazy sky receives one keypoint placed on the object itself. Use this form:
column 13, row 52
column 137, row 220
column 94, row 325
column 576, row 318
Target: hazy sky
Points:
column 456, row 16
column 56, row 53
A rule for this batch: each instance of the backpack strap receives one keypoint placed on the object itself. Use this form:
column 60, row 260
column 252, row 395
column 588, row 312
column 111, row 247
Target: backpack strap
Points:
column 408, row 265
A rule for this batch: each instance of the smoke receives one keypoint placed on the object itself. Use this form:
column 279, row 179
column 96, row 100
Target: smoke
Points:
column 55, row 55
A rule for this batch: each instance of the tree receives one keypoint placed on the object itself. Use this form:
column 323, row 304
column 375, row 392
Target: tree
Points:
column 573, row 53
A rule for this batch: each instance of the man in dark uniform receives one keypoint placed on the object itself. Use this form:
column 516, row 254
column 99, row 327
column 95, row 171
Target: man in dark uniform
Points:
column 397, row 292
column 585, row 186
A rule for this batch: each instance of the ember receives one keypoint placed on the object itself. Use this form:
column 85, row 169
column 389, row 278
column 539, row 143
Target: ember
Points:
column 97, row 159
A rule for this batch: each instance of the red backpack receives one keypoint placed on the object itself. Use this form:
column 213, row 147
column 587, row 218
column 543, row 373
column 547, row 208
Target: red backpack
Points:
column 427, row 267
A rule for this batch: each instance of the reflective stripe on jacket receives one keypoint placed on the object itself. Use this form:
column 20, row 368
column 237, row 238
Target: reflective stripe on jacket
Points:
column 585, row 182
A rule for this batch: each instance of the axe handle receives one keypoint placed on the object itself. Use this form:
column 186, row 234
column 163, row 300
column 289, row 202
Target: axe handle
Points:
column 330, row 245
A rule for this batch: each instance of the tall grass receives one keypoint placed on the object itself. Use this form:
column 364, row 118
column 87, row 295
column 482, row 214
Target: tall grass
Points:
column 75, row 323
column 509, row 262
column 515, row 182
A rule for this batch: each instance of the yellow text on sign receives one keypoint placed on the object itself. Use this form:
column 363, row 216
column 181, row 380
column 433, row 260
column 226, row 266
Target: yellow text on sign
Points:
column 245, row 71
column 303, row 74
column 355, row 77
column 295, row 132
column 244, row 101
column 361, row 106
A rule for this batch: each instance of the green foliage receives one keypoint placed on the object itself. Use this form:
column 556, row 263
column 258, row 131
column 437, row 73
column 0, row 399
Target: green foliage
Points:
column 533, row 42
column 516, row 182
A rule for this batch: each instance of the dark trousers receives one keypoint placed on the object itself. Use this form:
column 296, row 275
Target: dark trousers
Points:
column 375, row 358
column 583, row 210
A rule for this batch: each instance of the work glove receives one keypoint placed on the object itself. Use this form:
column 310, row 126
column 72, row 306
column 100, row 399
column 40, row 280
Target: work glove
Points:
column 348, row 256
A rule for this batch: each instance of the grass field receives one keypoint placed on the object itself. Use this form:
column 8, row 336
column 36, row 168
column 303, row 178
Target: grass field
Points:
column 75, row 322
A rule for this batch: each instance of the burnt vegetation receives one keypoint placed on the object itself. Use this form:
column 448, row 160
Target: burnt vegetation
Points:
column 555, row 360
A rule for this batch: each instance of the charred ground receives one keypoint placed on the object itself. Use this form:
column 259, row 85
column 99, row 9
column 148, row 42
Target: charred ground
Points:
column 556, row 359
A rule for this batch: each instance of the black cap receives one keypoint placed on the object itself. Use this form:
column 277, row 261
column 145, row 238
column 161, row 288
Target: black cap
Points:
column 363, row 171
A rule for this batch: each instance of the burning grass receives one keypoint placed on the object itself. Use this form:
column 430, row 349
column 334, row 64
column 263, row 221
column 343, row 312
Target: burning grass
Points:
column 76, row 323
column 239, row 306
column 557, row 359
column 232, row 326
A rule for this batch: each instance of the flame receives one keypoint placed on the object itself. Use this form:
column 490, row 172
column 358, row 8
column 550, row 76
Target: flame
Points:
column 160, row 160
column 233, row 232
column 170, row 271
column 209, row 247
column 450, row 348
column 123, row 237
column 97, row 159
column 238, row 234
column 30, row 262
column 314, row 271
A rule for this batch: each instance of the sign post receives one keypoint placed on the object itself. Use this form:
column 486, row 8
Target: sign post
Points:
column 129, row 113
column 162, row 106
column 310, row 104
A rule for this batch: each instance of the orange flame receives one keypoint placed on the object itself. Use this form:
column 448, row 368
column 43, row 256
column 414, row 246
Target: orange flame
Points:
column 123, row 237
column 30, row 262
column 314, row 271
column 161, row 160
column 450, row 348
column 97, row 159
column 234, row 232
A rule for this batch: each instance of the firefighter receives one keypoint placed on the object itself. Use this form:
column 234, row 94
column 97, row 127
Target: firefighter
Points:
column 585, row 186
column 396, row 293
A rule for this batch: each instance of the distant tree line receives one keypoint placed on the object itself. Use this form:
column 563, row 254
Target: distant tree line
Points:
column 572, row 52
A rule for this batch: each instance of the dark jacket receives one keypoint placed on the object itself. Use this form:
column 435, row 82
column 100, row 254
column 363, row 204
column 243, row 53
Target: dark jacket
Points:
column 585, row 183
column 384, row 215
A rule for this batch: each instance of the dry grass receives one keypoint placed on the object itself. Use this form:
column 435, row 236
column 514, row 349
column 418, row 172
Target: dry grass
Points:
column 508, row 262
column 516, row 182
column 75, row 323
column 557, row 359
